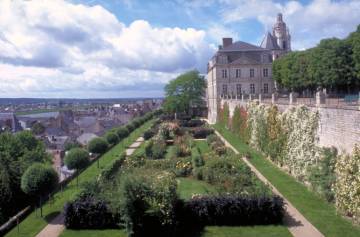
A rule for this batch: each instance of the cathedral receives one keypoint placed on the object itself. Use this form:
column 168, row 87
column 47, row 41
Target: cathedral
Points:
column 241, row 69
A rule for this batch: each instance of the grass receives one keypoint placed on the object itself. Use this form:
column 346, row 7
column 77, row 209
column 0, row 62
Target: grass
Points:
column 203, row 146
column 246, row 231
column 32, row 224
column 188, row 186
column 319, row 212
column 94, row 233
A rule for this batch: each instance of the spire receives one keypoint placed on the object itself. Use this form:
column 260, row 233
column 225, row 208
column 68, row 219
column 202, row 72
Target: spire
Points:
column 279, row 17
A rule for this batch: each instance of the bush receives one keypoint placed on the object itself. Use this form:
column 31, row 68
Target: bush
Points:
column 155, row 149
column 147, row 198
column 70, row 145
column 88, row 213
column 77, row 158
column 234, row 210
column 197, row 159
column 201, row 133
column 39, row 179
column 122, row 132
column 130, row 127
column 212, row 138
column 148, row 134
column 191, row 123
column 98, row 145
column 112, row 138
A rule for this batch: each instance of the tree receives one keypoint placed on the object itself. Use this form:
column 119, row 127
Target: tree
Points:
column 98, row 146
column 38, row 180
column 37, row 128
column 184, row 92
column 112, row 138
column 77, row 159
column 122, row 132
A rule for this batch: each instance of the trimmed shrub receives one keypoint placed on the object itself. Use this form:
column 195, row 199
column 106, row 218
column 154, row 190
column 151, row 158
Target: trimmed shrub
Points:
column 212, row 138
column 197, row 159
column 155, row 149
column 88, row 213
column 130, row 127
column 122, row 132
column 201, row 133
column 234, row 210
column 112, row 138
column 98, row 145
column 148, row 134
column 191, row 123
column 77, row 158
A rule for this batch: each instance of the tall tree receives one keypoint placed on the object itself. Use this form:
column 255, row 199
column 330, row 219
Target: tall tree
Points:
column 185, row 91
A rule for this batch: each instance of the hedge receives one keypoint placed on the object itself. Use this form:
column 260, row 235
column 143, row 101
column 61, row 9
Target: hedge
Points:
column 234, row 210
column 108, row 172
column 201, row 133
column 88, row 213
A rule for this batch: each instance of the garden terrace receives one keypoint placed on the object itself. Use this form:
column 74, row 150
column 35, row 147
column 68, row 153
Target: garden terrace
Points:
column 168, row 189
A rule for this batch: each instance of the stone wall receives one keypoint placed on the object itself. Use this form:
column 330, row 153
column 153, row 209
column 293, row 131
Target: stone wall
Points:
column 338, row 127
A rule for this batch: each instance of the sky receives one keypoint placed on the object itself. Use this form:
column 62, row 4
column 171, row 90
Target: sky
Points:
column 132, row 48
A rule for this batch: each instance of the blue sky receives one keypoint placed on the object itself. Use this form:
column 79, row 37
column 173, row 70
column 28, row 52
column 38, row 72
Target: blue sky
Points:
column 132, row 48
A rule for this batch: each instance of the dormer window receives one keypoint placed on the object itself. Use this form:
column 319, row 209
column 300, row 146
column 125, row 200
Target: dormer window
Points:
column 224, row 73
column 223, row 59
column 252, row 72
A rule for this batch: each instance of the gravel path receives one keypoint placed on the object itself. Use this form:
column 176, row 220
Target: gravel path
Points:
column 56, row 226
column 297, row 224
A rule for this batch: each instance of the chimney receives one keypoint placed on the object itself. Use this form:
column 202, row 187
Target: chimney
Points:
column 227, row 42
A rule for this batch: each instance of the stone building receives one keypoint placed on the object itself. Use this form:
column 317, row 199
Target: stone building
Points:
column 241, row 69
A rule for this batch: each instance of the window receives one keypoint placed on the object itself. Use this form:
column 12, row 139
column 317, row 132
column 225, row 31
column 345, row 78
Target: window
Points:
column 224, row 90
column 265, row 72
column 238, row 89
column 266, row 88
column 252, row 72
column 238, row 73
column 224, row 73
column 252, row 88
column 284, row 44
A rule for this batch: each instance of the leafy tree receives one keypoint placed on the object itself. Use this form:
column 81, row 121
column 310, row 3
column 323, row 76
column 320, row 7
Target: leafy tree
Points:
column 112, row 138
column 122, row 132
column 77, row 159
column 98, row 145
column 39, row 180
column 184, row 92
column 71, row 145
column 37, row 128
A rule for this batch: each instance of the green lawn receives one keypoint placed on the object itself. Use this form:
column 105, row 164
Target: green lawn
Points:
column 33, row 225
column 246, row 231
column 188, row 186
column 94, row 233
column 203, row 146
column 319, row 212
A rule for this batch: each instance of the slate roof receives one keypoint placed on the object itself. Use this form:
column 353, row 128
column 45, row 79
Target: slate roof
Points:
column 84, row 138
column 241, row 46
column 14, row 122
column 245, row 60
column 269, row 42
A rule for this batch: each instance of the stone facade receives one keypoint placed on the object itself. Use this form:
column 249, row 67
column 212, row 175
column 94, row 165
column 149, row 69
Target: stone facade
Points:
column 241, row 69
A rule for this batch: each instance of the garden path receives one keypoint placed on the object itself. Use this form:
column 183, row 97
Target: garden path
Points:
column 56, row 226
column 297, row 224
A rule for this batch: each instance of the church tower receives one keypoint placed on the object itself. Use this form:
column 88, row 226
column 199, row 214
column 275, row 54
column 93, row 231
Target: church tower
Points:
column 281, row 33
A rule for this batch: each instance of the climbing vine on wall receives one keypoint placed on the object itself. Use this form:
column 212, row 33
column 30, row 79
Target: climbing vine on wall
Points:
column 347, row 185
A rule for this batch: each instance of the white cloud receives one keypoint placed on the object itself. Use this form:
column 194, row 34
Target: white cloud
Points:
column 54, row 48
column 308, row 23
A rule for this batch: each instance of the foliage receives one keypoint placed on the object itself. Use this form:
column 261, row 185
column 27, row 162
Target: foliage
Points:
column 112, row 138
column 224, row 115
column 71, row 145
column 148, row 134
column 39, row 179
column 17, row 152
column 88, row 213
column 122, row 132
column 182, row 145
column 146, row 195
column 230, row 210
column 155, row 149
column 347, row 186
column 77, row 158
column 201, row 133
column 334, row 63
column 110, row 170
column 98, row 145
column 191, row 123
column 37, row 128
column 322, row 176
column 230, row 175
column 184, row 92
